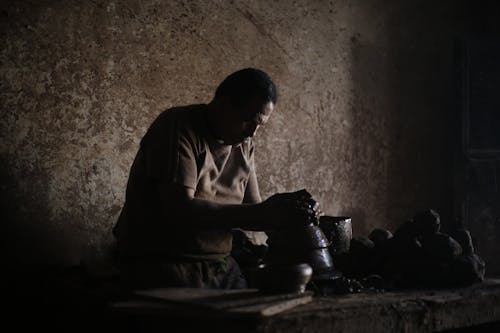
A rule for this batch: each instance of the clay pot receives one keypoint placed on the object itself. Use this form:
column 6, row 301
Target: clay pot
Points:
column 277, row 278
column 307, row 237
column 338, row 231
column 303, row 244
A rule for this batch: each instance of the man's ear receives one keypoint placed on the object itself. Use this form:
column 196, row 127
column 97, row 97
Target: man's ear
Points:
column 226, row 104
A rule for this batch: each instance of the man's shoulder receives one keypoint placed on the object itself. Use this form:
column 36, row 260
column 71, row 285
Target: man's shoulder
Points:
column 182, row 117
column 186, row 113
column 180, row 120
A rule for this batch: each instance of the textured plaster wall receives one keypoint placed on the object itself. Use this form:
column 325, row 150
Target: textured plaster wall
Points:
column 361, row 121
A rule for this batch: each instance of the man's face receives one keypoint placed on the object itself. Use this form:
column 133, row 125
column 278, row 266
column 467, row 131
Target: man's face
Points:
column 242, row 123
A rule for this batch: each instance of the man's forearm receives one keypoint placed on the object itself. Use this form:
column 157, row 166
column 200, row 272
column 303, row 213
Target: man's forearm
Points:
column 203, row 213
column 179, row 202
column 276, row 211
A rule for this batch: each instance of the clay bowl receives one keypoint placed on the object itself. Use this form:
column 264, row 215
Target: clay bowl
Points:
column 276, row 278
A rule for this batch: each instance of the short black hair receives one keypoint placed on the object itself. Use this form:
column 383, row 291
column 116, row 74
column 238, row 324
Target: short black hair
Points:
column 243, row 85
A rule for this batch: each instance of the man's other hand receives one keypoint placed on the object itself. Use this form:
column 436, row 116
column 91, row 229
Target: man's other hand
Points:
column 287, row 209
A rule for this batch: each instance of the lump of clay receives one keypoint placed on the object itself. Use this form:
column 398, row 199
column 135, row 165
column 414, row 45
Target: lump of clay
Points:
column 361, row 256
column 406, row 231
column 361, row 246
column 427, row 222
column 379, row 236
column 463, row 237
column 441, row 246
column 468, row 269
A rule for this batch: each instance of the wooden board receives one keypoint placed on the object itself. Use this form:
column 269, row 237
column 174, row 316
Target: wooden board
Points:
column 210, row 302
column 420, row 310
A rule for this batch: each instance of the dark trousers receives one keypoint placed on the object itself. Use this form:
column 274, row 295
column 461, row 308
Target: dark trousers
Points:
column 214, row 274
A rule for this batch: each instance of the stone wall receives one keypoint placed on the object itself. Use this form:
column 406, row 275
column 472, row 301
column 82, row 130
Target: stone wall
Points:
column 365, row 97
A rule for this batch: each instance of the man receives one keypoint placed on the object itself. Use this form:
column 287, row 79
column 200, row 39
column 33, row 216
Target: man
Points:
column 193, row 181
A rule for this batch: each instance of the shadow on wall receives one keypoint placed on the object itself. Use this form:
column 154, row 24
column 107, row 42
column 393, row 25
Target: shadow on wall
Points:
column 408, row 85
column 368, row 176
column 29, row 240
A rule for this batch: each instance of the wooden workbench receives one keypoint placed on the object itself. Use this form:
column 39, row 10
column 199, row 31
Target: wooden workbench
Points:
column 402, row 311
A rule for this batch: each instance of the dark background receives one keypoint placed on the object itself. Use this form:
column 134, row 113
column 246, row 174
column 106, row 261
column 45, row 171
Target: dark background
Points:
column 385, row 108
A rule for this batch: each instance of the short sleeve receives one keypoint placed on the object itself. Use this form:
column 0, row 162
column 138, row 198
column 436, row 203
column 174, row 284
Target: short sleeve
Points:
column 171, row 150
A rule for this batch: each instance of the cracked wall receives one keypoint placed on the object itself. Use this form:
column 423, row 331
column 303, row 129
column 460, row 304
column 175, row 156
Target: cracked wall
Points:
column 82, row 81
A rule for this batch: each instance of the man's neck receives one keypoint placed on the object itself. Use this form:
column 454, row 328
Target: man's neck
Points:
column 211, row 117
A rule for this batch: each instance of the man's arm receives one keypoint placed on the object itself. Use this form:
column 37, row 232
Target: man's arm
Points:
column 275, row 212
column 252, row 193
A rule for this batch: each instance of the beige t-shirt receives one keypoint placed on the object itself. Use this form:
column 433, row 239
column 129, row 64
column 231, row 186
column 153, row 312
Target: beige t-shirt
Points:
column 179, row 148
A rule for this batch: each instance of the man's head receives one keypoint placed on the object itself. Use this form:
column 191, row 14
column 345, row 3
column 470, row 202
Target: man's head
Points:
column 245, row 85
column 243, row 102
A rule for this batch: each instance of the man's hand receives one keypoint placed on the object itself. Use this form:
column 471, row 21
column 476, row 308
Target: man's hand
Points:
column 289, row 209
